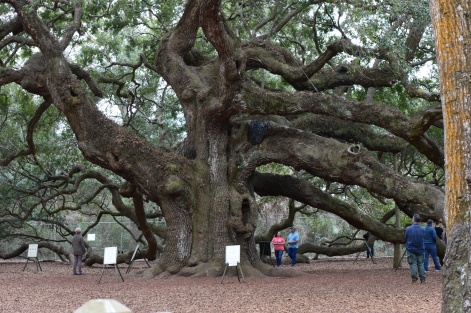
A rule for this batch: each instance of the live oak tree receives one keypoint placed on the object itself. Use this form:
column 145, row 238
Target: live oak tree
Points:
column 330, row 91
column 452, row 22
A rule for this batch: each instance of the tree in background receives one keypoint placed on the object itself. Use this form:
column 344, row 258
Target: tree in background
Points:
column 452, row 23
column 329, row 91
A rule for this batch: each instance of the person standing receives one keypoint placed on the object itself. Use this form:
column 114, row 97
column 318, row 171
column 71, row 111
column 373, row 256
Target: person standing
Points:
column 430, row 242
column 439, row 230
column 415, row 249
column 370, row 250
column 78, row 249
column 293, row 240
column 279, row 245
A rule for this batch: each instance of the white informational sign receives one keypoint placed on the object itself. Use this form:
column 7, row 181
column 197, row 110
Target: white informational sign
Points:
column 232, row 255
column 135, row 251
column 90, row 237
column 33, row 250
column 111, row 255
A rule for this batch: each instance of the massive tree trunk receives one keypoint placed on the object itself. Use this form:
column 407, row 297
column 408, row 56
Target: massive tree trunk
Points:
column 452, row 25
column 206, row 188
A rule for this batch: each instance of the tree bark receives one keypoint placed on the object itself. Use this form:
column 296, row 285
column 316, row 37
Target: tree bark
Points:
column 452, row 27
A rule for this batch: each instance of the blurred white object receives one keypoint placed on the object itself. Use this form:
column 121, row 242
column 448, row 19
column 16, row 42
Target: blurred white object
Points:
column 103, row 306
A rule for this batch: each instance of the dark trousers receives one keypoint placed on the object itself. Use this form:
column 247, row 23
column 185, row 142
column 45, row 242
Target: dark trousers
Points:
column 77, row 264
column 292, row 254
column 372, row 249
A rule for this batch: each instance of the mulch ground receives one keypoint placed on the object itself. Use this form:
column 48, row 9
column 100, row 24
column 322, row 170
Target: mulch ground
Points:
column 329, row 285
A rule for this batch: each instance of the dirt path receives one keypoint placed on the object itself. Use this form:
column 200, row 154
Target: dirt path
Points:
column 330, row 285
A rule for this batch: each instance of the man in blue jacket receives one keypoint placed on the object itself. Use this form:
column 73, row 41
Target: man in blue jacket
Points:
column 430, row 242
column 415, row 249
column 293, row 241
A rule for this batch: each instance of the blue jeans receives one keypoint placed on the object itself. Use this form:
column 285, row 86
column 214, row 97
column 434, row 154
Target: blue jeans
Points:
column 416, row 262
column 278, row 255
column 292, row 254
column 431, row 249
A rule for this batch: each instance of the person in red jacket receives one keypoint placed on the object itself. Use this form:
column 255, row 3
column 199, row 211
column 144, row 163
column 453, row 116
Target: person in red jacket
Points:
column 279, row 245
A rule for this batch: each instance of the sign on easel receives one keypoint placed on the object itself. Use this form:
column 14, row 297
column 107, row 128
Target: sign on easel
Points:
column 232, row 255
column 111, row 255
column 135, row 251
column 266, row 248
column 233, row 259
column 33, row 250
column 32, row 255
column 110, row 258
column 134, row 257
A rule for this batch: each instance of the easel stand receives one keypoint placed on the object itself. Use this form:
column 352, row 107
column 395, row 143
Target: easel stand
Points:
column 111, row 258
column 369, row 251
column 118, row 272
column 400, row 261
column 32, row 255
column 238, row 268
column 35, row 260
column 265, row 250
column 133, row 258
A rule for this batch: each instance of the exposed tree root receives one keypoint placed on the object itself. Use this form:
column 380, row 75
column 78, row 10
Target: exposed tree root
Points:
column 213, row 269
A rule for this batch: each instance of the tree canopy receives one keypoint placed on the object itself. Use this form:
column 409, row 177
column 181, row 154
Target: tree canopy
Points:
column 186, row 112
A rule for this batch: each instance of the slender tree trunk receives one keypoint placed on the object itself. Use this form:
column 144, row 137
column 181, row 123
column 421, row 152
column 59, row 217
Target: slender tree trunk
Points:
column 452, row 26
column 397, row 214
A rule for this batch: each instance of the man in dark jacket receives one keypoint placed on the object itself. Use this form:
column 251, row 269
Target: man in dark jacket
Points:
column 439, row 230
column 430, row 242
column 79, row 249
column 415, row 249
column 370, row 250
